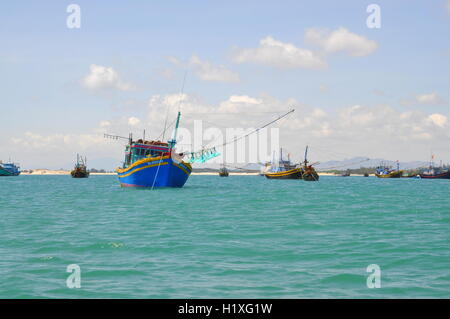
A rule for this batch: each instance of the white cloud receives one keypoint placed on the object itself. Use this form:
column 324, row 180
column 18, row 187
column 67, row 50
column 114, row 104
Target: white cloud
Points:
column 438, row 119
column 424, row 99
column 207, row 71
column 279, row 54
column 432, row 98
column 134, row 121
column 101, row 77
column 340, row 40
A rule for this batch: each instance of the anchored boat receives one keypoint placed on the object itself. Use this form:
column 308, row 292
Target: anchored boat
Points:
column 223, row 172
column 9, row 169
column 309, row 173
column 80, row 169
column 284, row 170
column 345, row 174
column 436, row 174
column 433, row 172
column 153, row 163
column 384, row 171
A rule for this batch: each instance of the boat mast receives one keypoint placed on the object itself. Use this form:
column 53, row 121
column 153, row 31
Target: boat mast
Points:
column 173, row 141
column 281, row 156
column 306, row 154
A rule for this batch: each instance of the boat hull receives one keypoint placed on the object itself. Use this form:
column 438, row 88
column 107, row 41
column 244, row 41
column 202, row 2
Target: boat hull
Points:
column 79, row 174
column 311, row 177
column 5, row 172
column 445, row 175
column 396, row 174
column 295, row 173
column 155, row 172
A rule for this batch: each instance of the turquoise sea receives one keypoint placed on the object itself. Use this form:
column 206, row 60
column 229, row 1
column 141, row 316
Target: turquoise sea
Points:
column 235, row 237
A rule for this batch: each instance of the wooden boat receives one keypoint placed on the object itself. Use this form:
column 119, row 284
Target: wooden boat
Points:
column 295, row 173
column 153, row 164
column 393, row 174
column 434, row 175
column 80, row 170
column 384, row 171
column 435, row 172
column 309, row 173
column 409, row 174
column 223, row 172
column 284, row 169
column 346, row 174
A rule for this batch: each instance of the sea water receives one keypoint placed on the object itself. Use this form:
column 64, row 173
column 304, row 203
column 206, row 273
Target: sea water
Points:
column 233, row 237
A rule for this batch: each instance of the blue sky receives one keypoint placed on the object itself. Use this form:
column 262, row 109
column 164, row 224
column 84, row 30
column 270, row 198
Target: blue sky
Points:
column 43, row 64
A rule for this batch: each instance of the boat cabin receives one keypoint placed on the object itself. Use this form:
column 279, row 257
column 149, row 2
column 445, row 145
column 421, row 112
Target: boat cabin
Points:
column 143, row 149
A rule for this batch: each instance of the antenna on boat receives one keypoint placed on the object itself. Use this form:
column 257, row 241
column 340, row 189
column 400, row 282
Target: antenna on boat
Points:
column 306, row 154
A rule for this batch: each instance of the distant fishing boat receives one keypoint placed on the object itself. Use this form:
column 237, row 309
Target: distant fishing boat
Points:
column 309, row 173
column 346, row 174
column 366, row 174
column 223, row 172
column 384, row 171
column 283, row 169
column 80, row 170
column 435, row 172
column 9, row 169
column 409, row 174
column 436, row 175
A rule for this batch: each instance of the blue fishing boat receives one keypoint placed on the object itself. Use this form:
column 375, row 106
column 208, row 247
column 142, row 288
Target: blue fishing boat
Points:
column 9, row 169
column 153, row 164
